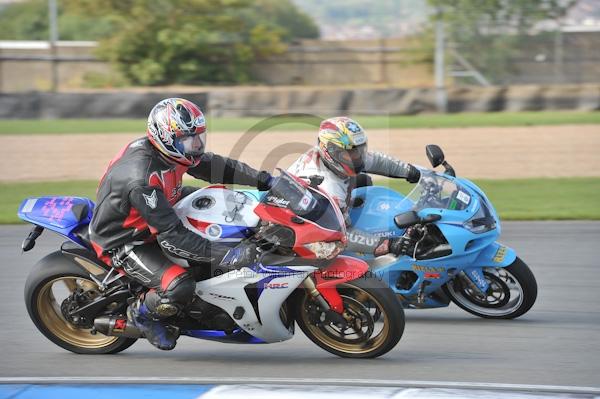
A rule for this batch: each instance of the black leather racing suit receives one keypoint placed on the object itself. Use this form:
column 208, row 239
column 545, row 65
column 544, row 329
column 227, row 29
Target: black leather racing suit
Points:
column 134, row 222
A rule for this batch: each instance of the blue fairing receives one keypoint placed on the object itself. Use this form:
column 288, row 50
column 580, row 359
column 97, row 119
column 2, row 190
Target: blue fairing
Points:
column 496, row 255
column 373, row 211
column 480, row 192
column 62, row 215
column 377, row 203
column 234, row 231
column 237, row 337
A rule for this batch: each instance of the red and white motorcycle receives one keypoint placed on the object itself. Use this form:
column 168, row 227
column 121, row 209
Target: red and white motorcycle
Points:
column 299, row 277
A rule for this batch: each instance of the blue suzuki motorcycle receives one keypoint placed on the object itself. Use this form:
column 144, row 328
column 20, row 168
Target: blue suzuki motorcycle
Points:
column 457, row 257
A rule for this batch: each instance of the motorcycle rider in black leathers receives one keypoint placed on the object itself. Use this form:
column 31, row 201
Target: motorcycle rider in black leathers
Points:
column 340, row 157
column 135, row 228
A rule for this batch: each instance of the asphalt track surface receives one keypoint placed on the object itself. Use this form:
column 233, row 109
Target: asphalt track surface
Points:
column 556, row 343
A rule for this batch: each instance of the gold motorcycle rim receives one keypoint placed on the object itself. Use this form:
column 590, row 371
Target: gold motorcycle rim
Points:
column 49, row 312
column 372, row 343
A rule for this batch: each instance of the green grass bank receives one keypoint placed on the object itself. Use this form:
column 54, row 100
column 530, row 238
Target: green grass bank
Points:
column 73, row 126
column 518, row 199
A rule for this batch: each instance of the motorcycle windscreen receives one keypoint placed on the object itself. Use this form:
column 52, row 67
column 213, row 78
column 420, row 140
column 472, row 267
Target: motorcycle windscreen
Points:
column 437, row 191
column 305, row 202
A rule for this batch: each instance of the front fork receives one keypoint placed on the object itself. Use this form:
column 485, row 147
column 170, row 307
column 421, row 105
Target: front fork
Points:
column 495, row 255
column 476, row 279
column 314, row 293
column 324, row 286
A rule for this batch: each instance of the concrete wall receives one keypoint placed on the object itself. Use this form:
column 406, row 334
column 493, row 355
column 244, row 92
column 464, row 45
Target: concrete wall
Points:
column 26, row 66
column 317, row 101
column 395, row 62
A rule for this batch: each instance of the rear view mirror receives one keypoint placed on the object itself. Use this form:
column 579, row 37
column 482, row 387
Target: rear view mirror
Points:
column 432, row 217
column 407, row 219
column 435, row 155
column 411, row 218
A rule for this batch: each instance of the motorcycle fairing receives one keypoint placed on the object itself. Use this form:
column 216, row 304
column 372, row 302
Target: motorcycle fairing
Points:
column 223, row 232
column 428, row 276
column 480, row 192
column 238, row 336
column 370, row 203
column 495, row 255
column 260, row 291
column 62, row 215
column 470, row 251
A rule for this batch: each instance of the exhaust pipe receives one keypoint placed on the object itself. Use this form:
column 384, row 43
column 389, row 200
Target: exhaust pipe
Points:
column 117, row 327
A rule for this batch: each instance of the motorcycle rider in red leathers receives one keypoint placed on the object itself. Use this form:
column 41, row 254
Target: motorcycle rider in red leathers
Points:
column 135, row 228
column 340, row 156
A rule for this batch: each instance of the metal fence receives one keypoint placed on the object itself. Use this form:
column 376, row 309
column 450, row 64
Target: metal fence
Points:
column 563, row 56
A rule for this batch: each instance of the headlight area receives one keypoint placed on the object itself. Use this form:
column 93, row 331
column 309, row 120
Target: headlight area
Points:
column 482, row 221
column 324, row 249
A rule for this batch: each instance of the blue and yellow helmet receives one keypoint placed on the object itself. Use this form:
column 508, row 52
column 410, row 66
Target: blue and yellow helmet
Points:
column 343, row 145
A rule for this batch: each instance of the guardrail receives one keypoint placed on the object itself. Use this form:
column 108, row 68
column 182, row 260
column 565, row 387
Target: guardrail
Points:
column 243, row 101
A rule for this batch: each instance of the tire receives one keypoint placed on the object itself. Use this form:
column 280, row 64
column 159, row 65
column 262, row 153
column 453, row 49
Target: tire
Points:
column 515, row 295
column 41, row 289
column 372, row 292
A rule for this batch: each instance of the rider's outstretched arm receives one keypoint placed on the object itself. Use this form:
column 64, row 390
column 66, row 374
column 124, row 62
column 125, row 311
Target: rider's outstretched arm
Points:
column 218, row 169
column 172, row 235
column 363, row 242
column 384, row 165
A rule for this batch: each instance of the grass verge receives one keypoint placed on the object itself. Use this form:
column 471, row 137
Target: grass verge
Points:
column 518, row 199
column 71, row 126
column 576, row 198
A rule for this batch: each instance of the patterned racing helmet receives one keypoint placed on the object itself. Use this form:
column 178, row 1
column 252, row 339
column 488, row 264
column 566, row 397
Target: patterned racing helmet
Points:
column 177, row 128
column 343, row 146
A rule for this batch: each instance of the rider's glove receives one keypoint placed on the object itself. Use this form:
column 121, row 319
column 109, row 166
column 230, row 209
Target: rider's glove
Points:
column 401, row 246
column 404, row 245
column 265, row 181
column 413, row 174
column 242, row 255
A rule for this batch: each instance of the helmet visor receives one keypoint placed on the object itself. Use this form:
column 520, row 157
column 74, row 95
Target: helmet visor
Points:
column 352, row 159
column 192, row 144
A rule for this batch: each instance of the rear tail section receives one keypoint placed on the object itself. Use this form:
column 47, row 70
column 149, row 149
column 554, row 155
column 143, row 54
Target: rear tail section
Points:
column 66, row 216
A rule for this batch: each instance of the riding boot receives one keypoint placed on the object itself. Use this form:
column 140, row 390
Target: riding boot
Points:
column 156, row 332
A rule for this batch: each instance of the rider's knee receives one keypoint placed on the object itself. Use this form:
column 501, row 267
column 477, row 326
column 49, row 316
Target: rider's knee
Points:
column 176, row 292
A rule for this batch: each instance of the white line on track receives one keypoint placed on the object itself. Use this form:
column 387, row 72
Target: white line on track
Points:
column 301, row 381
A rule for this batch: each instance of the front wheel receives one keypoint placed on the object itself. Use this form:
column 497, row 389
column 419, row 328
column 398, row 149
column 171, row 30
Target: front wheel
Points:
column 512, row 292
column 374, row 320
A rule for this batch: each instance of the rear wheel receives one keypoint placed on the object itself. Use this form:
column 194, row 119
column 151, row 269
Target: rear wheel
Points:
column 374, row 320
column 53, row 288
column 512, row 292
